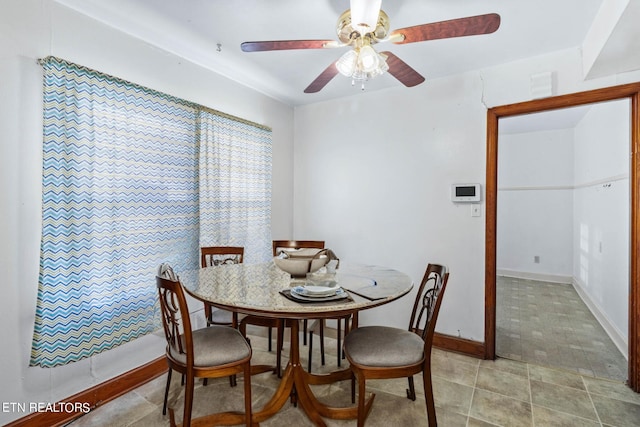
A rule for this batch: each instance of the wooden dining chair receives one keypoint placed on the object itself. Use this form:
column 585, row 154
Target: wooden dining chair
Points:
column 210, row 352
column 379, row 352
column 213, row 256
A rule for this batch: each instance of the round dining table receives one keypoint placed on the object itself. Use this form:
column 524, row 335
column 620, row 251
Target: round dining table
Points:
column 266, row 290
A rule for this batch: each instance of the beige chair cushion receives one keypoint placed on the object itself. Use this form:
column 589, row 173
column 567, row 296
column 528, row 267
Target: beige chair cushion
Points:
column 216, row 345
column 383, row 346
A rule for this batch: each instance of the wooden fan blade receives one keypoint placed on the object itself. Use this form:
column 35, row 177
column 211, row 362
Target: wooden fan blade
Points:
column 470, row 26
column 284, row 45
column 403, row 72
column 321, row 81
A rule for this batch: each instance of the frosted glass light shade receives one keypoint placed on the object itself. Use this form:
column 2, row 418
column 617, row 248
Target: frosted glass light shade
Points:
column 368, row 59
column 347, row 63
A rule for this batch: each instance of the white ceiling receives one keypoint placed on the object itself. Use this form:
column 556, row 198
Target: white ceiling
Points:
column 192, row 29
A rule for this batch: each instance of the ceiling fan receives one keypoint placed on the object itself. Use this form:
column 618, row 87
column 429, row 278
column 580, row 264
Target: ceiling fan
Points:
column 366, row 24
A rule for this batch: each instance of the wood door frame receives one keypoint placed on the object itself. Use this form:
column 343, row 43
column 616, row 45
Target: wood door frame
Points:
column 628, row 91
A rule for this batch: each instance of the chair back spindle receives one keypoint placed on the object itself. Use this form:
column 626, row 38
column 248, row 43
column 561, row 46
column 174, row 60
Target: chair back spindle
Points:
column 175, row 318
column 279, row 245
column 219, row 255
column 427, row 302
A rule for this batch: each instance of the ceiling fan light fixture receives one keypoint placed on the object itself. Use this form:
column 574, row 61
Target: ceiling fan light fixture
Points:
column 346, row 65
column 362, row 63
column 383, row 66
column 368, row 59
column 364, row 15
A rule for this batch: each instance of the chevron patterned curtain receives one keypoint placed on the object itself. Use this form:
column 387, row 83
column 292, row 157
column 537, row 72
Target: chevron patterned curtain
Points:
column 235, row 185
column 120, row 196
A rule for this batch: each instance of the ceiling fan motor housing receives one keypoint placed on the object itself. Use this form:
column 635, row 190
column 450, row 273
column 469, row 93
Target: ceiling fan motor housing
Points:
column 347, row 33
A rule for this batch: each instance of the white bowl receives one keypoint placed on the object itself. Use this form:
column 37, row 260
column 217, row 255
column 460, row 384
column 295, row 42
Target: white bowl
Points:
column 324, row 291
column 299, row 267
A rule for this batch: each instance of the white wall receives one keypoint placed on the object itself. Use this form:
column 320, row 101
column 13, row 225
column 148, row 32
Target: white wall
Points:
column 535, row 204
column 601, row 215
column 372, row 175
column 31, row 29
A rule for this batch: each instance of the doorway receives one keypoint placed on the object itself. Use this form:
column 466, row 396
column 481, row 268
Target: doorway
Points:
column 630, row 92
column 562, row 239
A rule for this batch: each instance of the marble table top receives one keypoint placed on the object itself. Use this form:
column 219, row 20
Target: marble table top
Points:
column 255, row 289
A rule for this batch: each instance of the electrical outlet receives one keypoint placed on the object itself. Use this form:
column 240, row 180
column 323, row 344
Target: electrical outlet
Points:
column 475, row 209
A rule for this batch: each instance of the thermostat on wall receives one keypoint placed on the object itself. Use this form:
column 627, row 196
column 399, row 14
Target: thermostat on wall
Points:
column 465, row 193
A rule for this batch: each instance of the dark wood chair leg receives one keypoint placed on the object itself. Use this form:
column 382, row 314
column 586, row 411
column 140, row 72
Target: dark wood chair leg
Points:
column 280, row 345
column 346, row 332
column 361, row 410
column 310, row 349
column 166, row 392
column 322, row 341
column 304, row 331
column 353, row 388
column 208, row 313
column 188, row 401
column 411, row 391
column 428, row 397
column 247, row 393
column 339, row 341
column 270, row 336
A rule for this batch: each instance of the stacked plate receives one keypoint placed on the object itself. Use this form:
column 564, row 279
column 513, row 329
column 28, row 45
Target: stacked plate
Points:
column 318, row 293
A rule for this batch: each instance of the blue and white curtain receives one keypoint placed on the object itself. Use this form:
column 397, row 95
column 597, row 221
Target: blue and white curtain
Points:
column 121, row 194
column 235, row 185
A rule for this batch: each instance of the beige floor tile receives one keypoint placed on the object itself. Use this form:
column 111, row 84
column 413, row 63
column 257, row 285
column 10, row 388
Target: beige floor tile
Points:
column 504, row 383
column 449, row 419
column 119, row 413
column 562, row 399
column 397, row 386
column 454, row 370
column 455, row 356
column 616, row 412
column 451, row 396
column 501, row 410
column 545, row 417
column 473, row 422
column 612, row 389
column 556, row 376
column 506, row 365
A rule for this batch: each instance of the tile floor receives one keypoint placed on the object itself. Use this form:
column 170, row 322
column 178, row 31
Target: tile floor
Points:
column 549, row 324
column 469, row 392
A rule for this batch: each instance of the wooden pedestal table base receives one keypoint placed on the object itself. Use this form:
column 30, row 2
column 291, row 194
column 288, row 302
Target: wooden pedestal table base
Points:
column 295, row 385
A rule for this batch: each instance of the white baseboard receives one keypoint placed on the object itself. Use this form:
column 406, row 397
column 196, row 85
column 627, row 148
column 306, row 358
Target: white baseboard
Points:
column 614, row 333
column 554, row 278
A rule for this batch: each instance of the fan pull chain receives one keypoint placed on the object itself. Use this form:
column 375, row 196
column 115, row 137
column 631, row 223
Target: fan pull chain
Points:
column 353, row 83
